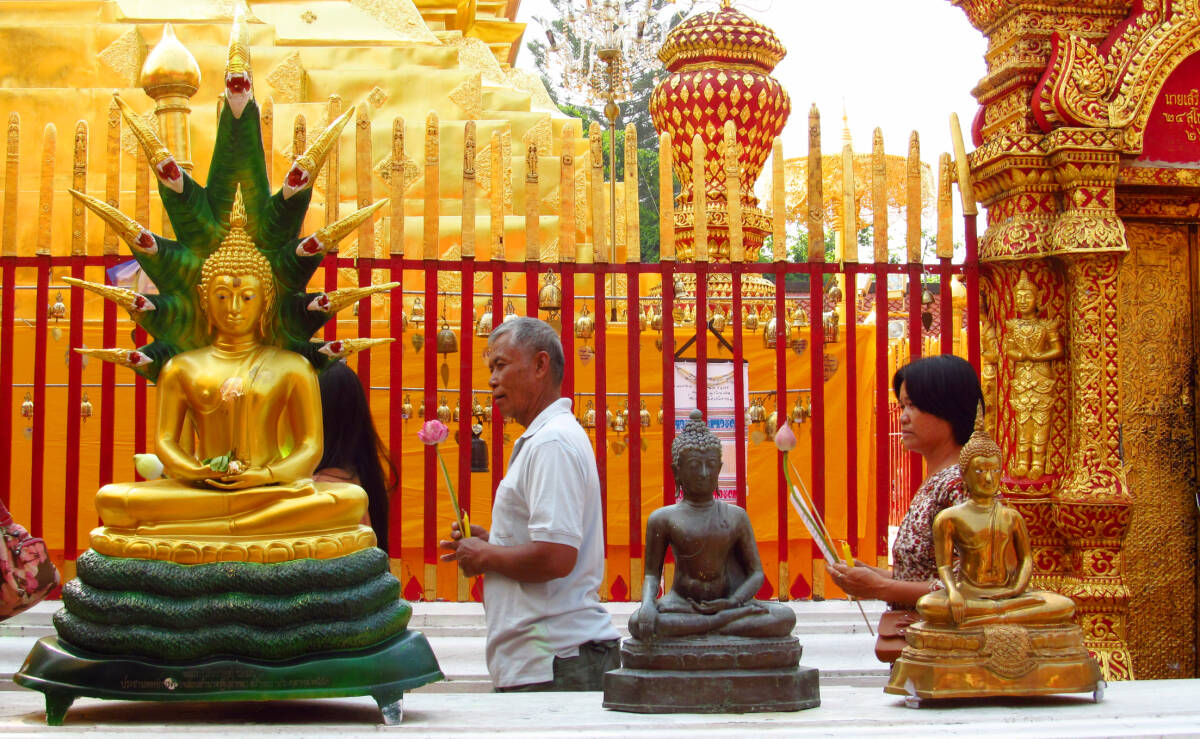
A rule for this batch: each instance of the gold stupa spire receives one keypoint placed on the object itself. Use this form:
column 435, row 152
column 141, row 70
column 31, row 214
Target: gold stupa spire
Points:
column 170, row 68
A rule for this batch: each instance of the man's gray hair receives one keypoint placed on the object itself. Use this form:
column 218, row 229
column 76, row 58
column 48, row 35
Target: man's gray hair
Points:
column 534, row 335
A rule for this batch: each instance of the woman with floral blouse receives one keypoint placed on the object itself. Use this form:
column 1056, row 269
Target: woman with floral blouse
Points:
column 938, row 399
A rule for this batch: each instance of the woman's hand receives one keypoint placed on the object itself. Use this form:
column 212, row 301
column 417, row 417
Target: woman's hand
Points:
column 859, row 582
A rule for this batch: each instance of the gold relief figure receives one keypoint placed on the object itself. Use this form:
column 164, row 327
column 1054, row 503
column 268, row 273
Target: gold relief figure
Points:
column 986, row 537
column 989, row 367
column 1031, row 344
column 237, row 401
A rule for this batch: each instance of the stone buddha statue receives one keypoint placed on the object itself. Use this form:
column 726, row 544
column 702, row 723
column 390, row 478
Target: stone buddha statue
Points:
column 717, row 568
column 985, row 535
column 707, row 645
column 987, row 633
column 226, row 413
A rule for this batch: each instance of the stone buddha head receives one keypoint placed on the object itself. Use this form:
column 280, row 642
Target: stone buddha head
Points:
column 696, row 459
column 237, row 284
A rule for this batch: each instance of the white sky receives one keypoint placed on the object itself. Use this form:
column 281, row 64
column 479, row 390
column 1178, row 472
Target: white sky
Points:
column 900, row 65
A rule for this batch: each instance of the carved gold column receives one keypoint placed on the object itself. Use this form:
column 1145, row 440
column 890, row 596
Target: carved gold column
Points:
column 171, row 77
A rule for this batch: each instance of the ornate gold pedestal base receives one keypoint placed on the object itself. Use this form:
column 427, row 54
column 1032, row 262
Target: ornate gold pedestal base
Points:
column 204, row 550
column 998, row 659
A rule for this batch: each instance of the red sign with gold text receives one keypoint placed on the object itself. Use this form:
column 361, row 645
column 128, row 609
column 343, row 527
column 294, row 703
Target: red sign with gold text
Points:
column 1173, row 131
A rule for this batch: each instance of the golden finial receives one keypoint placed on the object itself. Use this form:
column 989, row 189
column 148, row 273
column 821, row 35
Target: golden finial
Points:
column 342, row 348
column 160, row 157
column 981, row 443
column 132, row 301
column 131, row 358
column 339, row 299
column 846, row 139
column 306, row 166
column 132, row 232
column 237, row 215
column 238, row 78
column 170, row 69
column 327, row 238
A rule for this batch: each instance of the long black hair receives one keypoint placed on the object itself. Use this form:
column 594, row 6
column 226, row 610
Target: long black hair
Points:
column 945, row 386
column 352, row 444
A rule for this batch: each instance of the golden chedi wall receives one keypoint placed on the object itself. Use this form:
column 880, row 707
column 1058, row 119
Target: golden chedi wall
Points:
column 1086, row 162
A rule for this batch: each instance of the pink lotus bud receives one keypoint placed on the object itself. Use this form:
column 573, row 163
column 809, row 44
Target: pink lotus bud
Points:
column 433, row 433
column 785, row 440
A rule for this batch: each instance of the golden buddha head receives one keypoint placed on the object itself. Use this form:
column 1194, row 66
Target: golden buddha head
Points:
column 237, row 284
column 981, row 459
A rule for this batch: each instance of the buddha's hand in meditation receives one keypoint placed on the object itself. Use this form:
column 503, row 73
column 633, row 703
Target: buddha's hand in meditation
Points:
column 958, row 606
column 250, row 477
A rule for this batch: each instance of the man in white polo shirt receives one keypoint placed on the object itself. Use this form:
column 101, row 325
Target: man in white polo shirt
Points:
column 543, row 560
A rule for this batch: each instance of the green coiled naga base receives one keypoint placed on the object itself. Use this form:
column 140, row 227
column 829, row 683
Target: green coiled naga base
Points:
column 162, row 610
column 135, row 629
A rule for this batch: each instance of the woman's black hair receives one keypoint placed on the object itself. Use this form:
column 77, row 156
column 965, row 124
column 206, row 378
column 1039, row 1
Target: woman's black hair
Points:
column 352, row 444
column 945, row 386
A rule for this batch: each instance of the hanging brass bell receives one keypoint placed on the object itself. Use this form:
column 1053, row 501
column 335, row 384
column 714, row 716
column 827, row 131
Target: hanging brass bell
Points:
column 487, row 412
column 799, row 317
column 768, row 334
column 771, row 425
column 656, row 319
column 718, row 320
column 589, row 416
column 620, row 420
column 645, row 416
column 406, row 410
column 58, row 310
column 418, row 313
column 421, row 410
column 644, row 320
column 751, row 322
column 447, row 340
column 510, row 313
column 27, row 407
column 476, row 408
column 85, row 408
column 758, row 413
column 483, row 327
column 585, row 325
column 550, row 296
column 443, row 411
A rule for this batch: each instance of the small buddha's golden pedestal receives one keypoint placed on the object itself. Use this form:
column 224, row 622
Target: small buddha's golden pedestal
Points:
column 997, row 659
column 194, row 550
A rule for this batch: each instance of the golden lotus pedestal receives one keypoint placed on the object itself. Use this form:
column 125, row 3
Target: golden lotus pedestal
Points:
column 993, row 660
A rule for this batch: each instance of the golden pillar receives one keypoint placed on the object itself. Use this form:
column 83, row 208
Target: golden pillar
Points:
column 171, row 76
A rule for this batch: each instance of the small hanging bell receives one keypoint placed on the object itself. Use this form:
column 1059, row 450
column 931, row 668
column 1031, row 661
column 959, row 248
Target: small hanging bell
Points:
column 27, row 407
column 447, row 340
column 58, row 310
column 443, row 411
column 771, row 425
column 768, row 334
column 483, row 327
column 589, row 417
column 510, row 313
column 550, row 296
column 418, row 313
column 406, row 410
column 718, row 320
column 585, row 325
column 656, row 319
column 85, row 408
column 751, row 321
column 479, row 450
column 645, row 416
column 421, row 410
column 758, row 413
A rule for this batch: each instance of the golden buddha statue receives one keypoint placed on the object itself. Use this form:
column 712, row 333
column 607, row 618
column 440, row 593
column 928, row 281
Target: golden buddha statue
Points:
column 1031, row 344
column 986, row 535
column 225, row 412
column 988, row 633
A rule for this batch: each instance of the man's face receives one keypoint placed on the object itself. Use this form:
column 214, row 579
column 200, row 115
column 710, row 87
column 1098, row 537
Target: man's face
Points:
column 697, row 472
column 517, row 378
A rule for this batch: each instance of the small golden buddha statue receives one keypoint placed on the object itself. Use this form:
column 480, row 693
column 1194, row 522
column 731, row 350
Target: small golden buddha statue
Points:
column 1031, row 344
column 985, row 535
column 244, row 400
column 988, row 633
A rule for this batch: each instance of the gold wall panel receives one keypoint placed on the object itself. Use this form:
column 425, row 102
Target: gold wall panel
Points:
column 1157, row 367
